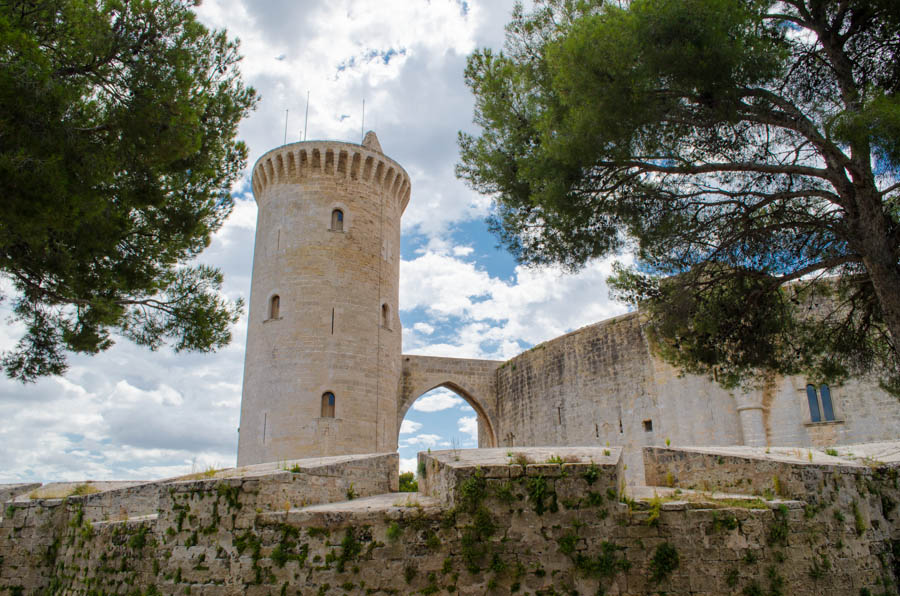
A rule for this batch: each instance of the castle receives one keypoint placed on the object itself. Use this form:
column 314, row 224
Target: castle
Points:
column 325, row 375
column 589, row 489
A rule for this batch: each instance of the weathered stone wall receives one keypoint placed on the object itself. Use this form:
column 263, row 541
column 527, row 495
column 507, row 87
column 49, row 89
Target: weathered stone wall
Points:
column 602, row 385
column 514, row 524
column 11, row 491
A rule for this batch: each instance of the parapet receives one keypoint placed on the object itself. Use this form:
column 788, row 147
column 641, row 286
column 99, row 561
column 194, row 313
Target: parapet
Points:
column 296, row 163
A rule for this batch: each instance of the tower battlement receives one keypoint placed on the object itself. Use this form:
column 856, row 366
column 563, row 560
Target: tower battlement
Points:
column 295, row 162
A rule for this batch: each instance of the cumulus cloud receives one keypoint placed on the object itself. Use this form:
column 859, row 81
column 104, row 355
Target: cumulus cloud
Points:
column 469, row 425
column 408, row 464
column 408, row 427
column 495, row 318
column 437, row 400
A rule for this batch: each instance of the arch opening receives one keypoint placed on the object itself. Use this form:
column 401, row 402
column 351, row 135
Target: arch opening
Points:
column 445, row 416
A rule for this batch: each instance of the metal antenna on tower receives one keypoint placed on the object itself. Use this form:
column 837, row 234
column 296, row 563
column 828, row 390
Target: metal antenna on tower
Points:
column 285, row 127
column 306, row 121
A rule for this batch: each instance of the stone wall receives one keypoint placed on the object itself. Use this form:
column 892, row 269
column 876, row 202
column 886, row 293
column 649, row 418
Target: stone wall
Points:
column 602, row 385
column 11, row 491
column 473, row 380
column 531, row 521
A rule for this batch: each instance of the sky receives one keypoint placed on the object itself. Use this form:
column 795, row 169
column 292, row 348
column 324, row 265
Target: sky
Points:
column 129, row 413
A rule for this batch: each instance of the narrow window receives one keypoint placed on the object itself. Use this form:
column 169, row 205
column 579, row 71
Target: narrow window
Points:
column 648, row 426
column 274, row 306
column 328, row 405
column 813, row 400
column 385, row 316
column 827, row 409
column 337, row 221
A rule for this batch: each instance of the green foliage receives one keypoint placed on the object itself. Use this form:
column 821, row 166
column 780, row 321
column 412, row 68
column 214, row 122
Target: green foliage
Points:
column 592, row 473
column 859, row 522
column 351, row 492
column 394, row 531
column 350, row 549
column 119, row 153
column 778, row 531
column 538, row 493
column 605, row 564
column 737, row 146
column 408, row 483
column 663, row 563
column 138, row 540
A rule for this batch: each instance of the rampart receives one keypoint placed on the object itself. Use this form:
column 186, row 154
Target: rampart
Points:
column 524, row 521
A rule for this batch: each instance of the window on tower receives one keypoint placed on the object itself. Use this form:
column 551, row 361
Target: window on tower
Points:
column 385, row 316
column 274, row 307
column 337, row 221
column 328, row 405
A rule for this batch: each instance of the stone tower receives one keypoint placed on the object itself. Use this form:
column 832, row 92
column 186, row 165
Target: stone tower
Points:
column 322, row 364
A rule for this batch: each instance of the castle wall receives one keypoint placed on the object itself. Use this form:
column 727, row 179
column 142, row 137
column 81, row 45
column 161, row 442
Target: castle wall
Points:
column 337, row 329
column 601, row 385
column 496, row 523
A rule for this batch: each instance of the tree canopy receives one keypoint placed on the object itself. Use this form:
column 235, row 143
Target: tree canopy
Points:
column 117, row 156
column 746, row 151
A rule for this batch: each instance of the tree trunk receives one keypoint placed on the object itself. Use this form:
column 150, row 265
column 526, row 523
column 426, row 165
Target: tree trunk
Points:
column 880, row 257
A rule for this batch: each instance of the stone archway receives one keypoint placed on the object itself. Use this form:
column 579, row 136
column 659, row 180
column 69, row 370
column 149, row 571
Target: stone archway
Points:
column 473, row 380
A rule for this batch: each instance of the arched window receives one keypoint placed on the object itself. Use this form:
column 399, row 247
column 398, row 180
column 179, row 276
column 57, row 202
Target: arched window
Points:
column 385, row 316
column 827, row 408
column 328, row 405
column 813, row 400
column 274, row 306
column 337, row 221
column 826, row 412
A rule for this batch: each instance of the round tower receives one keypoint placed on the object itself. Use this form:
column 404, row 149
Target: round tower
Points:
column 322, row 366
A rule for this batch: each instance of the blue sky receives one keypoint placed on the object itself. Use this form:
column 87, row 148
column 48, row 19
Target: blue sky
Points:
column 130, row 413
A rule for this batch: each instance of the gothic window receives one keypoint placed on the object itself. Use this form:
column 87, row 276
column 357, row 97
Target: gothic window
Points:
column 337, row 221
column 274, row 306
column 328, row 405
column 825, row 413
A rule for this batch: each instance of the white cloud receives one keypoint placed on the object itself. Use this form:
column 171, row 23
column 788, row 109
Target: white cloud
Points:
column 423, row 328
column 462, row 251
column 408, row 464
column 469, row 425
column 435, row 401
column 423, row 440
column 492, row 317
column 408, row 427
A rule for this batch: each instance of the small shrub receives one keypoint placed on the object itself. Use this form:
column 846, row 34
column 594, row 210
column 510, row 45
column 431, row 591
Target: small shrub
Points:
column 663, row 563
column 859, row 521
column 351, row 492
column 394, row 532
column 778, row 531
column 593, row 472
column 832, row 452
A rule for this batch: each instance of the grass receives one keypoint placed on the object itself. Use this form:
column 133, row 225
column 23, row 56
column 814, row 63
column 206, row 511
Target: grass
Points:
column 79, row 490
